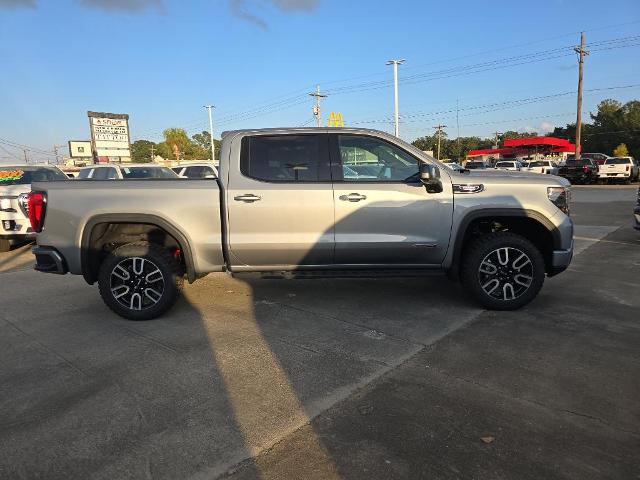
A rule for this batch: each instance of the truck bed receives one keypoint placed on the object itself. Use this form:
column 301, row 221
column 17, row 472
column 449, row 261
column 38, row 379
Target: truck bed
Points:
column 71, row 206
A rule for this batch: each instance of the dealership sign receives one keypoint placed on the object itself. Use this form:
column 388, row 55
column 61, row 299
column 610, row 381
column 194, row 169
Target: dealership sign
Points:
column 110, row 136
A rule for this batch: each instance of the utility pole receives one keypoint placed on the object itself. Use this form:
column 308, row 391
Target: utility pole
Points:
column 153, row 150
column 495, row 136
column 213, row 147
column 396, row 116
column 26, row 160
column 438, row 129
column 316, row 107
column 581, row 54
column 55, row 151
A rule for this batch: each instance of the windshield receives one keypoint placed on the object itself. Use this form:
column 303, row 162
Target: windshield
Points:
column 147, row 172
column 28, row 175
column 617, row 161
column 578, row 163
column 539, row 164
column 504, row 164
column 473, row 165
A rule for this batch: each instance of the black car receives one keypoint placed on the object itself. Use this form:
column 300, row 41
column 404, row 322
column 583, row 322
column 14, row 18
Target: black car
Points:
column 475, row 166
column 583, row 170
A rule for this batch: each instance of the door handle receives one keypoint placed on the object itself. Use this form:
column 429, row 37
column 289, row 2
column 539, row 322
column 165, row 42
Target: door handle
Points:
column 247, row 197
column 352, row 197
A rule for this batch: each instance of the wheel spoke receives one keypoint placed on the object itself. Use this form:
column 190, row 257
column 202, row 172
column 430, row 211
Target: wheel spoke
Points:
column 491, row 285
column 136, row 302
column 120, row 272
column 507, row 292
column 503, row 256
column 154, row 276
column 521, row 262
column 153, row 295
column 119, row 291
column 488, row 268
column 138, row 265
column 522, row 279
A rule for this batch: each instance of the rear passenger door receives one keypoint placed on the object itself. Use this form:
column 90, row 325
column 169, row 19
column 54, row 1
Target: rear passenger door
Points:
column 280, row 202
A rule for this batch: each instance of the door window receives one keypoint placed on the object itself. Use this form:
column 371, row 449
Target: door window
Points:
column 370, row 159
column 285, row 158
column 85, row 173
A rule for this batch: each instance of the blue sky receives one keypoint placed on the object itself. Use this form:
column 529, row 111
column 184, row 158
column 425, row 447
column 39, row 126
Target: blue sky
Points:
column 161, row 60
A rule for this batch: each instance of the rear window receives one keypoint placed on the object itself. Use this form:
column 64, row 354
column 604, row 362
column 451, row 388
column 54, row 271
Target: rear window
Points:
column 504, row 164
column 474, row 165
column 285, row 158
column 578, row 163
column 538, row 164
column 28, row 175
column 147, row 172
column 617, row 161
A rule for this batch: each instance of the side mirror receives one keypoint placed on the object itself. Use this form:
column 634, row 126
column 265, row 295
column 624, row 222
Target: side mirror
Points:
column 210, row 176
column 430, row 178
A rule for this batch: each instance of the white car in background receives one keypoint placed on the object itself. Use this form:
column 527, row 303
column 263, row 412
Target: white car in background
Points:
column 619, row 168
column 511, row 165
column 547, row 167
column 125, row 171
column 196, row 170
column 15, row 184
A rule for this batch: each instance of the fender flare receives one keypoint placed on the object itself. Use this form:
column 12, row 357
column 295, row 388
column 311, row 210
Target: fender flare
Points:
column 500, row 212
column 149, row 219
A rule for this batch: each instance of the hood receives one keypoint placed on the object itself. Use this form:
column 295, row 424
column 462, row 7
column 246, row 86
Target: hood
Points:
column 508, row 177
column 13, row 190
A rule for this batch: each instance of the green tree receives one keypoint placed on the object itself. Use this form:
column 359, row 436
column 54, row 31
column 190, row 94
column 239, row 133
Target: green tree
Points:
column 203, row 140
column 177, row 140
column 621, row 151
column 141, row 151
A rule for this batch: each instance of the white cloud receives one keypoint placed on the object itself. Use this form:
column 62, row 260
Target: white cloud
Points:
column 245, row 9
column 18, row 4
column 546, row 127
column 123, row 5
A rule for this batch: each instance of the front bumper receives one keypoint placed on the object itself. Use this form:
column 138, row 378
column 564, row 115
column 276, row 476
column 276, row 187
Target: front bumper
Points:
column 49, row 260
column 560, row 260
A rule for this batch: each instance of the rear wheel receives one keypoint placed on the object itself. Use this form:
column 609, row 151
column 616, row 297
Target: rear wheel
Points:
column 140, row 281
column 503, row 271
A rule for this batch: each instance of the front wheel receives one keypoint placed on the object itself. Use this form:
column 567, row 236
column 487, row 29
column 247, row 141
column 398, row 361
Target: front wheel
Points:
column 140, row 281
column 502, row 271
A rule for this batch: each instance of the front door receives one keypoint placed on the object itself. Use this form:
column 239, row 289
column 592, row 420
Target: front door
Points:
column 280, row 202
column 384, row 215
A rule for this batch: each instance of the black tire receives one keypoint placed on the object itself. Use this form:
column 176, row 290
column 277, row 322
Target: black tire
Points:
column 154, row 289
column 478, row 277
column 5, row 245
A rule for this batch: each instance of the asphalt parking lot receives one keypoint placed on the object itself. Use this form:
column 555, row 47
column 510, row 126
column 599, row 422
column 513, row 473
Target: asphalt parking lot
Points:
column 384, row 378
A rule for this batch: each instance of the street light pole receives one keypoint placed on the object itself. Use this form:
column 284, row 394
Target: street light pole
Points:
column 395, row 64
column 213, row 147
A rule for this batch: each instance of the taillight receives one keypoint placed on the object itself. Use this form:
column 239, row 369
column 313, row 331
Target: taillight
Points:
column 37, row 204
column 586, row 169
column 627, row 169
column 542, row 170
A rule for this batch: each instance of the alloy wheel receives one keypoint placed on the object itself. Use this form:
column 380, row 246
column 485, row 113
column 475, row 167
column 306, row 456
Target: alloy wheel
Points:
column 505, row 273
column 137, row 283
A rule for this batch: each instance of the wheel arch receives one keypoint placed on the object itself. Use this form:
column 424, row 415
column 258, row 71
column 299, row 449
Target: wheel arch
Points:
column 145, row 226
column 528, row 223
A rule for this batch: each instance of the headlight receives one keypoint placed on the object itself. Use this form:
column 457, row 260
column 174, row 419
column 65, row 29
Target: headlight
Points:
column 560, row 197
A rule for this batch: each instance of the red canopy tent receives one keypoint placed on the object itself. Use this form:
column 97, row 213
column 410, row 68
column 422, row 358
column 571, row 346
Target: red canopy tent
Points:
column 526, row 146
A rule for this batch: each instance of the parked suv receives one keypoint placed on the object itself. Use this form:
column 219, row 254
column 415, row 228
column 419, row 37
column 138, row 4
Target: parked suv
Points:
column 15, row 183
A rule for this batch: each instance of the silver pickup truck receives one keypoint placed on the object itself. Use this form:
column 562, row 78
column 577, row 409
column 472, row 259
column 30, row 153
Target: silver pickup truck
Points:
column 303, row 203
